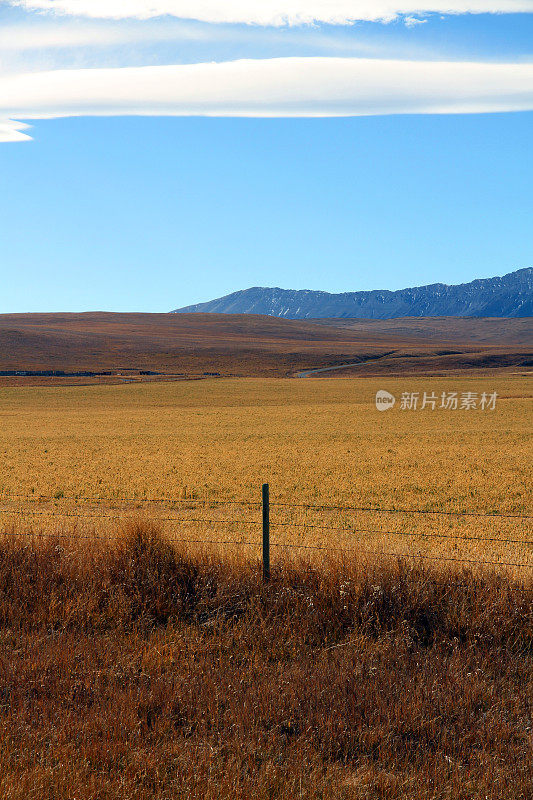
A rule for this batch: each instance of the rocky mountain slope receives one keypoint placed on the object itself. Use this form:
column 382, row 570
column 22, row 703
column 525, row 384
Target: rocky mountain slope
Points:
column 508, row 296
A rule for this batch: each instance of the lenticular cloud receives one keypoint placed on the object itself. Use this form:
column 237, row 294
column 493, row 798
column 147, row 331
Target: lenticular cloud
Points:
column 274, row 12
column 11, row 131
column 280, row 87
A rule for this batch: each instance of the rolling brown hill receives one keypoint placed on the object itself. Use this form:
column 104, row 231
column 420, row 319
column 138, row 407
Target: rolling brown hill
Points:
column 193, row 345
column 467, row 330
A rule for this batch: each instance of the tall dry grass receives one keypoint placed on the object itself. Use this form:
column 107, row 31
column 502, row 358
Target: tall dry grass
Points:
column 315, row 442
column 136, row 669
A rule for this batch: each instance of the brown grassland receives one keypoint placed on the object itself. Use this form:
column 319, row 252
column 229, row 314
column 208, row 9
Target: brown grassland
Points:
column 391, row 665
column 241, row 345
column 314, row 441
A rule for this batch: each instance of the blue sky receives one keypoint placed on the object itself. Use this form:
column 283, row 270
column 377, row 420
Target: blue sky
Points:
column 135, row 211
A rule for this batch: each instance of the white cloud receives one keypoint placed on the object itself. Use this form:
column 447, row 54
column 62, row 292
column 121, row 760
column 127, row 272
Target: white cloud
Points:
column 273, row 12
column 11, row 131
column 37, row 37
column 280, row 87
column 412, row 22
column 74, row 33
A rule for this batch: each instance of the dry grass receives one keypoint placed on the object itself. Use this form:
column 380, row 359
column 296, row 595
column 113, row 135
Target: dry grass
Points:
column 316, row 442
column 185, row 344
column 248, row 345
column 143, row 671
column 474, row 330
column 133, row 668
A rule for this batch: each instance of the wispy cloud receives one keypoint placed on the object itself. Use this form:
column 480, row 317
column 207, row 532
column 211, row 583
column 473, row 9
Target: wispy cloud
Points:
column 281, row 87
column 11, row 131
column 274, row 12
column 40, row 33
column 75, row 33
column 412, row 22
column 38, row 43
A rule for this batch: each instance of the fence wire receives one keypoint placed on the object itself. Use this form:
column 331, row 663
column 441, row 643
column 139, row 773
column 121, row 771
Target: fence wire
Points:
column 213, row 501
column 54, row 512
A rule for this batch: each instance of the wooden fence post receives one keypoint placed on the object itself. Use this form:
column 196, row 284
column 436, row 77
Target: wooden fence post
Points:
column 266, row 534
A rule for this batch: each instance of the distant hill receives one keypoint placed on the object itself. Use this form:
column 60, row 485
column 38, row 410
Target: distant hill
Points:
column 104, row 347
column 508, row 296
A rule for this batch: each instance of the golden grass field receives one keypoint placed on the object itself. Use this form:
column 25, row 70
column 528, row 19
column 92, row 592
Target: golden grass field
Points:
column 314, row 441
column 133, row 669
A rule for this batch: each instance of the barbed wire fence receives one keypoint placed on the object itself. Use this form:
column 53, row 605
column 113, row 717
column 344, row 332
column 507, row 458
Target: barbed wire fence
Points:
column 263, row 524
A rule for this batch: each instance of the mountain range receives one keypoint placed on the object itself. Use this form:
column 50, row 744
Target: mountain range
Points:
column 508, row 296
